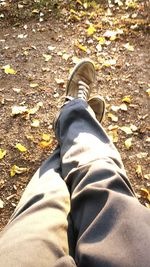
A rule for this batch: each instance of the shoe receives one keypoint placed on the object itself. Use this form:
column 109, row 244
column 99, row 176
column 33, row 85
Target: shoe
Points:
column 80, row 80
column 97, row 103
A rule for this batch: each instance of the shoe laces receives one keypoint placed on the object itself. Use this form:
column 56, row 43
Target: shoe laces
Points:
column 83, row 91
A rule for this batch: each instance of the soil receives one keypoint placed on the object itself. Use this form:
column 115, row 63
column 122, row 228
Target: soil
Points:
column 60, row 33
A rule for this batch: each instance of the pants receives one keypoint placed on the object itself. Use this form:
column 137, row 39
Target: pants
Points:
column 79, row 209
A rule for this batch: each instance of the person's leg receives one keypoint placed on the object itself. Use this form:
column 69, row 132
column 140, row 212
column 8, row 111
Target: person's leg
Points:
column 36, row 235
column 112, row 228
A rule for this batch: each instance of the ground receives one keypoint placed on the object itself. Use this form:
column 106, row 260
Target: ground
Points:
column 39, row 46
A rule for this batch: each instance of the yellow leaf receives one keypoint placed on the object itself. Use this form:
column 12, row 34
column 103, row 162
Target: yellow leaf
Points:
column 59, row 81
column 127, row 99
column 35, row 123
column 21, row 148
column 91, row 30
column 2, row 153
column 101, row 40
column 81, row 47
column 35, row 11
column 9, row 70
column 35, row 109
column 79, row 2
column 47, row 57
column 128, row 47
column 139, row 171
column 33, row 85
column 45, row 144
column 46, row 137
column 17, row 170
column 126, row 129
column 128, row 143
column 112, row 117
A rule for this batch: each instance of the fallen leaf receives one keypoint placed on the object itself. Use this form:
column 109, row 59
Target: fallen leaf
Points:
column 51, row 48
column 66, row 56
column 99, row 48
column 75, row 60
column 101, row 40
column 35, row 109
column 109, row 62
column 126, row 99
column 126, row 129
column 35, row 11
column 133, row 127
column 148, row 91
column 139, row 171
column 21, row 148
column 59, row 81
column 17, row 170
column 142, row 155
column 128, row 143
column 123, row 107
column 35, row 123
column 145, row 193
column 128, row 47
column 112, row 117
column 9, row 70
column 147, row 176
column 1, row 204
column 112, row 127
column 33, row 85
column 81, row 47
column 91, row 30
column 45, row 144
column 2, row 153
column 19, row 110
column 46, row 137
column 47, row 57
column 113, row 135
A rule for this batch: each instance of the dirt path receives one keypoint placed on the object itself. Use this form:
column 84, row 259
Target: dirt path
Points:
column 40, row 55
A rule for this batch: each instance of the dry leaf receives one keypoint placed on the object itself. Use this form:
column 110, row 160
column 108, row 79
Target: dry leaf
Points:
column 128, row 143
column 126, row 129
column 147, row 176
column 1, row 204
column 142, row 155
column 47, row 57
column 129, row 47
column 59, row 81
column 133, row 127
column 17, row 170
column 19, row 110
column 113, row 135
column 108, row 63
column 139, row 171
column 21, row 148
column 33, row 85
column 45, row 144
column 66, row 56
column 101, row 40
column 112, row 117
column 35, row 123
column 75, row 60
column 99, row 48
column 123, row 107
column 9, row 70
column 2, row 153
column 81, row 47
column 46, row 137
column 91, row 30
column 148, row 91
column 145, row 193
column 127, row 99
